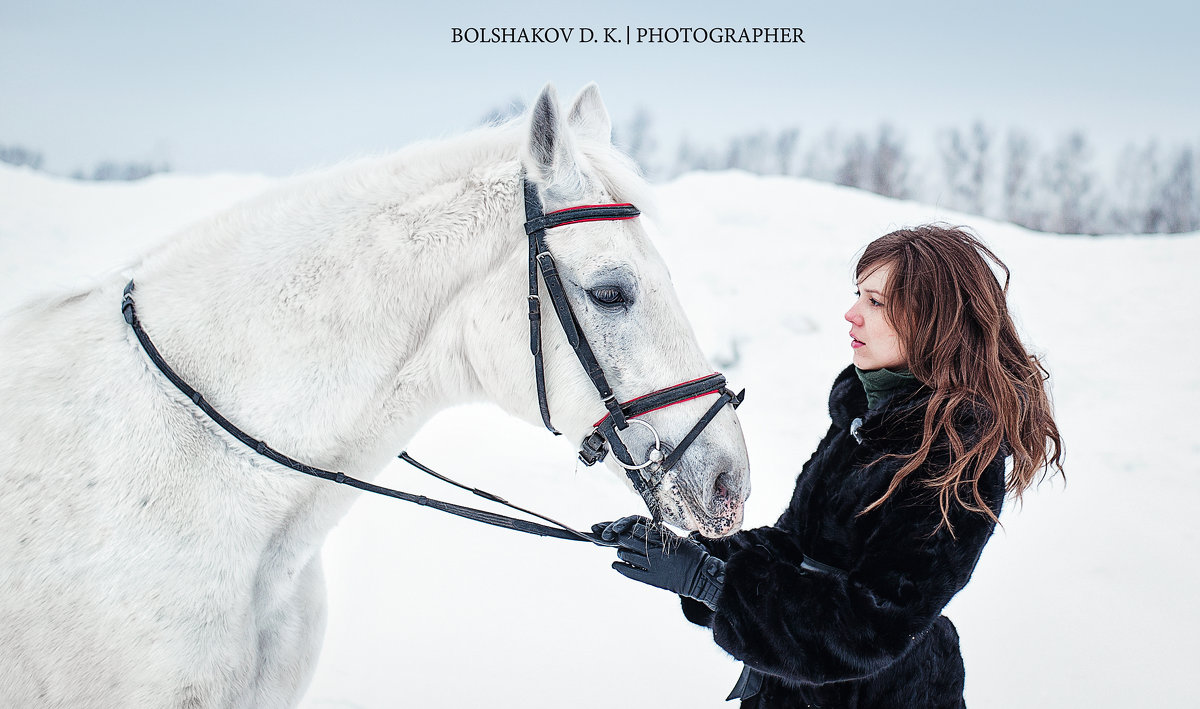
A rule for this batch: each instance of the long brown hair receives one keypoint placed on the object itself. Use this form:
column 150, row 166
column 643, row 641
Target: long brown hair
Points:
column 950, row 313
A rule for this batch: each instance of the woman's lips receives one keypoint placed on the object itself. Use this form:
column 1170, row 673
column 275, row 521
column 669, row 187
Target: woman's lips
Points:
column 855, row 342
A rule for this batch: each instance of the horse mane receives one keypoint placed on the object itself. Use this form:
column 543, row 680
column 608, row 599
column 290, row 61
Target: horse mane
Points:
column 430, row 161
column 390, row 176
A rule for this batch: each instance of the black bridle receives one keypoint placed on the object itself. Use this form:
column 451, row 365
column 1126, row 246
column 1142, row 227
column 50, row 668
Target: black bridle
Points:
column 645, row 477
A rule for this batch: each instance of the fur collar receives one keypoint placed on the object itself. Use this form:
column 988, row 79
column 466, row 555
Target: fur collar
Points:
column 897, row 420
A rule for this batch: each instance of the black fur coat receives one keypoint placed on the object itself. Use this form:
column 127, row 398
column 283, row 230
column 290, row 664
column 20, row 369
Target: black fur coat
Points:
column 867, row 632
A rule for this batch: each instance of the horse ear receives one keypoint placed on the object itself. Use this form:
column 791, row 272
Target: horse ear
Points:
column 549, row 151
column 588, row 116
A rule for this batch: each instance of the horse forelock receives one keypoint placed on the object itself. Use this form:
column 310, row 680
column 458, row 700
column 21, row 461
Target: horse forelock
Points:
column 619, row 176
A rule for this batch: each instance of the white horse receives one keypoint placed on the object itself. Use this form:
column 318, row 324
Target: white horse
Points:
column 149, row 559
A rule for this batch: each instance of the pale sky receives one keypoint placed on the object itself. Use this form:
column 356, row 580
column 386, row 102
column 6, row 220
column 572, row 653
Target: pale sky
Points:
column 279, row 87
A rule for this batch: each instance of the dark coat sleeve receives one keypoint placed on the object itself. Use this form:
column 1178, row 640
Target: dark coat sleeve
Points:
column 722, row 548
column 815, row 627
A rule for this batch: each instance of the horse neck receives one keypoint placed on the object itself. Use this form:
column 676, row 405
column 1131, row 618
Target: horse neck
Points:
column 325, row 319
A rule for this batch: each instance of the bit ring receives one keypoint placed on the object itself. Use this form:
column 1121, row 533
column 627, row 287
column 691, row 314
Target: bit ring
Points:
column 654, row 456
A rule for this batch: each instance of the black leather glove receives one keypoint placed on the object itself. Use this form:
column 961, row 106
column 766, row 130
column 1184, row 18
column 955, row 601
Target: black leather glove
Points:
column 658, row 557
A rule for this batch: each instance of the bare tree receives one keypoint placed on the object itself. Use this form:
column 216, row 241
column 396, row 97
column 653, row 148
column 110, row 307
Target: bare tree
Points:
column 113, row 170
column 953, row 153
column 966, row 167
column 20, row 156
column 750, row 152
column 500, row 114
column 1068, row 178
column 685, row 158
column 889, row 165
column 1134, row 205
column 822, row 159
column 1177, row 194
column 855, row 168
column 636, row 139
column 1020, row 206
column 785, row 149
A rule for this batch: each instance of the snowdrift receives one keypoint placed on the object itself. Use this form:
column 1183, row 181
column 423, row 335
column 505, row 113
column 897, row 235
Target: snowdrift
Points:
column 1084, row 598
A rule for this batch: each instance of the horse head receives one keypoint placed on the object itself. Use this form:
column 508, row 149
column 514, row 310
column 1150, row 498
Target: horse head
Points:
column 623, row 304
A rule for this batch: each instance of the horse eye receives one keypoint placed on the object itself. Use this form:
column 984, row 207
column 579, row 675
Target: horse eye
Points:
column 607, row 295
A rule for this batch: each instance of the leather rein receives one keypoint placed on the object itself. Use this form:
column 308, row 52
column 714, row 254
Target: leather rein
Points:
column 646, row 477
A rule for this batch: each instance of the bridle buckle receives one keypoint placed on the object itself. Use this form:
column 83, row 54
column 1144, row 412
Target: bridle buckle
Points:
column 593, row 449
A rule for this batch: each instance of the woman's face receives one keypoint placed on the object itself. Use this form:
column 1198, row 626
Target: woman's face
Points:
column 875, row 343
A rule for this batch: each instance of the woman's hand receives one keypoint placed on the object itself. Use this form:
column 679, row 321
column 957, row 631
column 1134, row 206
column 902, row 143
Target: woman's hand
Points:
column 656, row 556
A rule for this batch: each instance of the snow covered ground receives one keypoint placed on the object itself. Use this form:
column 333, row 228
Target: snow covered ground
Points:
column 1086, row 598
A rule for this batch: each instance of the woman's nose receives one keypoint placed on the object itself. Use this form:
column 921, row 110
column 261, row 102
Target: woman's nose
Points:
column 853, row 318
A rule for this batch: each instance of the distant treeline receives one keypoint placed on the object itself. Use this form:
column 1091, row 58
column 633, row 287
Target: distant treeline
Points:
column 104, row 170
column 1151, row 188
column 1010, row 177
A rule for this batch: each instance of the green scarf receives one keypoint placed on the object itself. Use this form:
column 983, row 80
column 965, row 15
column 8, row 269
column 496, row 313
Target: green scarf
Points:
column 879, row 382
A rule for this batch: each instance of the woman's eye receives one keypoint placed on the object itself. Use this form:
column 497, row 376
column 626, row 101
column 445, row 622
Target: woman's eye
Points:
column 607, row 295
column 876, row 303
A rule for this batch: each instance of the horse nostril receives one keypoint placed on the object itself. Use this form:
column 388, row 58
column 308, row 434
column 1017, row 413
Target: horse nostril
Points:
column 721, row 486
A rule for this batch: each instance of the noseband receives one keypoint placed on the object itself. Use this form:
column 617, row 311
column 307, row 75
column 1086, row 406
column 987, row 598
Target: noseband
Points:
column 646, row 476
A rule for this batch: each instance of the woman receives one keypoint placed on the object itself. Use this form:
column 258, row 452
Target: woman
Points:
column 838, row 604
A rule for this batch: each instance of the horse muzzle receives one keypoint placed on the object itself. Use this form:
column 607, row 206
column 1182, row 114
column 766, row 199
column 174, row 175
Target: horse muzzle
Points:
column 649, row 471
